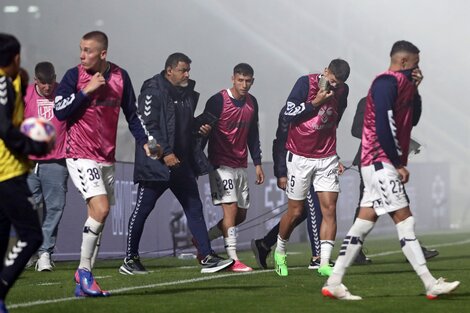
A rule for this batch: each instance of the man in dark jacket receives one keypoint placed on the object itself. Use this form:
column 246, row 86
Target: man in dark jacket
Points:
column 167, row 103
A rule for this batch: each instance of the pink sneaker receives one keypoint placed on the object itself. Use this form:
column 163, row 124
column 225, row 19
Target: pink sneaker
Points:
column 240, row 267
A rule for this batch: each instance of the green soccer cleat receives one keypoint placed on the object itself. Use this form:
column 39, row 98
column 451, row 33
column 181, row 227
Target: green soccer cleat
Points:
column 280, row 264
column 325, row 270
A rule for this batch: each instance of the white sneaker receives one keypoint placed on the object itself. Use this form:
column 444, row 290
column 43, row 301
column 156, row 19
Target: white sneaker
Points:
column 441, row 287
column 44, row 263
column 339, row 292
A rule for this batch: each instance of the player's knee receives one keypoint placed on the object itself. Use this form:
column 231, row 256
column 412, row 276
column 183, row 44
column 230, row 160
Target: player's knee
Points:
column 296, row 214
column 406, row 228
column 361, row 227
column 329, row 210
column 329, row 215
column 101, row 215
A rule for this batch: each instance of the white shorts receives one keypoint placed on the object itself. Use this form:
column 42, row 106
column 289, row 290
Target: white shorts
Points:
column 383, row 189
column 302, row 172
column 92, row 178
column 229, row 185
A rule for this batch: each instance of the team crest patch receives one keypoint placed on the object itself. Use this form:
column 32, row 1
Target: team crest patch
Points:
column 325, row 113
column 45, row 109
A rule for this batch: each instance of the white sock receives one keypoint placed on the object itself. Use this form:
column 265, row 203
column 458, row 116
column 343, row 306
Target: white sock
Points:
column 214, row 232
column 412, row 250
column 427, row 279
column 281, row 245
column 96, row 251
column 231, row 243
column 350, row 248
column 326, row 246
column 91, row 232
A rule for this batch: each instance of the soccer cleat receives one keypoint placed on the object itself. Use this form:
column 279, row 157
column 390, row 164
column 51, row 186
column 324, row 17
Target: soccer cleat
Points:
column 441, row 287
column 213, row 263
column 315, row 263
column 199, row 256
column 78, row 291
column 261, row 253
column 362, row 259
column 88, row 284
column 339, row 292
column 44, row 263
column 132, row 266
column 280, row 264
column 3, row 308
column 80, row 294
column 325, row 270
column 429, row 253
column 238, row 266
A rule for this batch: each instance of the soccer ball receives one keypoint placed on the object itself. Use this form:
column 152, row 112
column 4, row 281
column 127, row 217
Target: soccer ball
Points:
column 38, row 128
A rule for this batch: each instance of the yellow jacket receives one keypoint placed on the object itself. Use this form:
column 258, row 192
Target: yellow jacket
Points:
column 11, row 164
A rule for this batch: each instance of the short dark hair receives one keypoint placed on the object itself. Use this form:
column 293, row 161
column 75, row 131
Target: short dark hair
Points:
column 9, row 48
column 98, row 36
column 243, row 69
column 173, row 60
column 339, row 68
column 403, row 46
column 45, row 72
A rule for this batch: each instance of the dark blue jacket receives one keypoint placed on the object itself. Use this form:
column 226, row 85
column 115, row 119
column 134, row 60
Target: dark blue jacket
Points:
column 156, row 109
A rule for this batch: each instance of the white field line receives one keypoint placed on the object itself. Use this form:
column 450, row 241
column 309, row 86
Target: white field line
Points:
column 121, row 290
column 48, row 284
column 449, row 244
column 205, row 278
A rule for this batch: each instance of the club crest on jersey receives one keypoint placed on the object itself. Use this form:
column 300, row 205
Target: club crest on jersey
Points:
column 325, row 113
column 45, row 109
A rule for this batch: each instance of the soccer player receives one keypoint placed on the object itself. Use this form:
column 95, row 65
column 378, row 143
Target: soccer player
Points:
column 167, row 102
column 89, row 98
column 235, row 132
column 385, row 144
column 48, row 180
column 313, row 109
column 356, row 131
column 311, row 210
column 16, row 209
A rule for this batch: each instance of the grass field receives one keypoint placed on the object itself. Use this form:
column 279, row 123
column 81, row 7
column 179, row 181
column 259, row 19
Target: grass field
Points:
column 387, row 285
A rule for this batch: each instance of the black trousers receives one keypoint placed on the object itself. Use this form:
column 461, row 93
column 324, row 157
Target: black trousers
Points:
column 184, row 186
column 16, row 209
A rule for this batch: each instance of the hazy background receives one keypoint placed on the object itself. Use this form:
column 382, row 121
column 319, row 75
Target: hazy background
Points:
column 282, row 40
